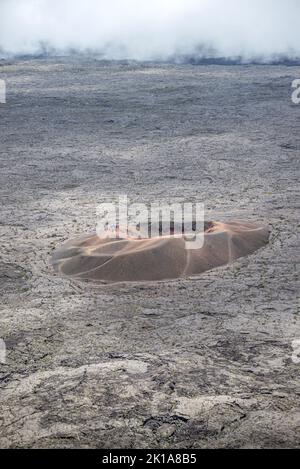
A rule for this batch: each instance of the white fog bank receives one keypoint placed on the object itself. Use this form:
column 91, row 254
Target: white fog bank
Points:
column 152, row 29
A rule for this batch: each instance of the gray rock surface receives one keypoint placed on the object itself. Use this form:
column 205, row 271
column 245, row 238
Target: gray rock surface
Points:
column 191, row 363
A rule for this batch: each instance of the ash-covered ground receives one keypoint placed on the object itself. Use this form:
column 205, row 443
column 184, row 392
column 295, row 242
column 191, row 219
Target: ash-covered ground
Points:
column 204, row 362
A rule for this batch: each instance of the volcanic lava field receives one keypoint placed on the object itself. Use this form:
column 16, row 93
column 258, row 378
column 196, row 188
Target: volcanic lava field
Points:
column 206, row 361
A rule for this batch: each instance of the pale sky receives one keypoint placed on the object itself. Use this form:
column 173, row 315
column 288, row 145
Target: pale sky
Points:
column 152, row 29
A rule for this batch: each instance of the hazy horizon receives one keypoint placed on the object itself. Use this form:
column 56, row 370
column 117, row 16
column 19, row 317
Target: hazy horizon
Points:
column 247, row 30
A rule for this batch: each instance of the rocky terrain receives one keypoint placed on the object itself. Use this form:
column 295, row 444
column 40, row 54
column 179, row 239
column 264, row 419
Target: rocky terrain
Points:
column 203, row 362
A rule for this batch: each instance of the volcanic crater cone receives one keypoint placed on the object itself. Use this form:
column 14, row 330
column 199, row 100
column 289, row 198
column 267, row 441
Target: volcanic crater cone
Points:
column 133, row 259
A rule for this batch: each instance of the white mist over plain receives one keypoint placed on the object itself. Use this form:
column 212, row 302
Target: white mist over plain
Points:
column 152, row 29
